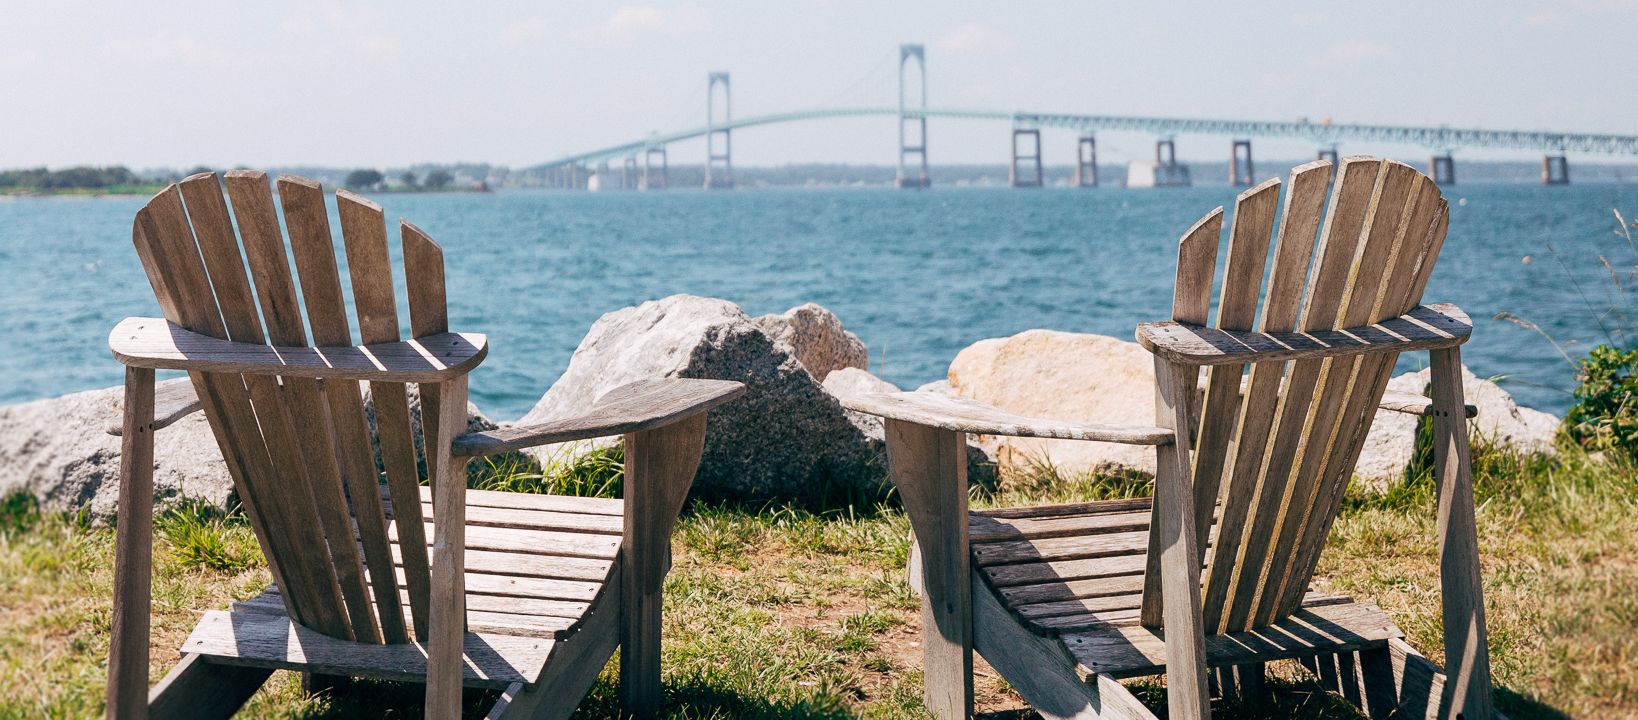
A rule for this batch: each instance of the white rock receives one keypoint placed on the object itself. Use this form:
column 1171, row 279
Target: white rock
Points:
column 59, row 450
column 1061, row 376
column 1500, row 420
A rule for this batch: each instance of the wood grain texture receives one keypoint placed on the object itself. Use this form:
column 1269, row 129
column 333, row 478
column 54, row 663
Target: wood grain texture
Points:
column 447, row 583
column 273, row 641
column 174, row 399
column 660, row 467
column 196, row 688
column 1422, row 328
column 1187, row 693
column 1135, row 650
column 1461, row 583
column 929, row 469
column 127, row 693
column 573, row 667
column 155, row 343
column 635, row 407
column 971, row 416
column 311, row 246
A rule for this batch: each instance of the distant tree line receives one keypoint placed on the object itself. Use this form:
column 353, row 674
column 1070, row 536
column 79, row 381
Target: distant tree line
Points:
column 69, row 178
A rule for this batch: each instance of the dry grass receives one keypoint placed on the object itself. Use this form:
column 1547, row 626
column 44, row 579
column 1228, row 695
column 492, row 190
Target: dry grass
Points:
column 779, row 612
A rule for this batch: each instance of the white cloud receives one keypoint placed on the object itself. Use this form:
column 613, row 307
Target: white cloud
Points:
column 523, row 32
column 298, row 25
column 1359, row 50
column 18, row 59
column 358, row 27
column 632, row 21
column 172, row 48
column 974, row 37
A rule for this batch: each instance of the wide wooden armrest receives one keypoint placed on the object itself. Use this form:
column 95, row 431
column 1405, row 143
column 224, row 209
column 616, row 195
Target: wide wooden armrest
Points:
column 174, row 399
column 1424, row 327
column 156, row 343
column 629, row 408
column 971, row 416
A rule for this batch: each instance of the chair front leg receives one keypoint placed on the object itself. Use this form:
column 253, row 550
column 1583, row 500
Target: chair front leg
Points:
column 1187, row 688
column 133, row 554
column 1467, row 656
column 660, row 467
column 447, row 626
column 929, row 468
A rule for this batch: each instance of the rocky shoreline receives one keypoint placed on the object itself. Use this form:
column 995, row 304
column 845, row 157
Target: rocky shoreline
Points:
column 788, row 438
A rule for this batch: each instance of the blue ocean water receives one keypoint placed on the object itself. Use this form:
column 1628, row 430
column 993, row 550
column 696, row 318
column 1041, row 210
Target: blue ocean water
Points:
column 918, row 275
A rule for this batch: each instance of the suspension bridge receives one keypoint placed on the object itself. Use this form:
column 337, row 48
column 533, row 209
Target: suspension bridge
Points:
column 643, row 163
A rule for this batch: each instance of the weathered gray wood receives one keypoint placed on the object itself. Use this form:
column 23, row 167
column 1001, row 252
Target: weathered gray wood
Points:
column 929, row 469
column 1364, row 678
column 1416, row 404
column 1085, row 508
column 272, row 641
column 983, row 528
column 632, row 408
column 1023, row 574
column 196, row 688
column 1467, row 654
column 154, row 343
column 513, row 518
column 1174, row 525
column 1123, row 610
column 1134, row 650
column 572, row 668
column 544, row 503
column 1423, row 328
column 546, row 542
column 133, row 553
column 1042, row 671
column 174, row 399
column 448, row 573
column 972, row 416
column 660, row 466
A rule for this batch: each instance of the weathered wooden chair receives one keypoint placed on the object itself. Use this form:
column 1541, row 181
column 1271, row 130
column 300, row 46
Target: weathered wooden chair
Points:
column 1065, row 600
column 526, row 593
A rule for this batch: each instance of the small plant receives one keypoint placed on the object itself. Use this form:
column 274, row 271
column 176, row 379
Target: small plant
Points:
column 1605, row 415
column 19, row 512
column 200, row 535
column 597, row 473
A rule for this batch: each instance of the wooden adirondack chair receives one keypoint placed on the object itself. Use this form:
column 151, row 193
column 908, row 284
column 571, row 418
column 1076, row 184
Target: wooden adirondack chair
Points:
column 1065, row 600
column 526, row 593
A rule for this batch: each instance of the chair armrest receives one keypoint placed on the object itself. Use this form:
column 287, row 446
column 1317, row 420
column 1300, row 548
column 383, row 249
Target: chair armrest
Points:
column 972, row 416
column 1424, row 327
column 158, row 344
column 173, row 400
column 626, row 409
column 1413, row 404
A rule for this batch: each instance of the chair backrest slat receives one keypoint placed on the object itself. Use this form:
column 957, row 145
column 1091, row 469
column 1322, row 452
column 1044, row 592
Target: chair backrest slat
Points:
column 300, row 449
column 1282, row 445
column 364, row 233
column 313, row 249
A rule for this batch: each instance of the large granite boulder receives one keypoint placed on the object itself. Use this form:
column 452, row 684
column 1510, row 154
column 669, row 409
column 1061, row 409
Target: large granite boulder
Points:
column 817, row 339
column 1061, row 376
column 786, row 438
column 59, row 450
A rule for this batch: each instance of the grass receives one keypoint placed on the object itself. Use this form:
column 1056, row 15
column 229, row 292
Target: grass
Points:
column 775, row 612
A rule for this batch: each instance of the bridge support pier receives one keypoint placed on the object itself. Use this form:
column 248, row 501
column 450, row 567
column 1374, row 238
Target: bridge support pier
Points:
column 1330, row 154
column 652, row 180
column 1168, row 171
column 1086, row 162
column 916, row 127
column 1443, row 169
column 1013, row 175
column 1555, row 170
column 719, row 167
column 1241, row 171
column 628, row 173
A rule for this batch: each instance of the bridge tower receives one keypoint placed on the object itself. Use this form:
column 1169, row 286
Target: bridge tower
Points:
column 1086, row 161
column 652, row 180
column 918, row 147
column 1241, row 171
column 1555, row 170
column 1168, row 172
column 1013, row 176
column 628, row 173
column 1443, row 169
column 716, row 178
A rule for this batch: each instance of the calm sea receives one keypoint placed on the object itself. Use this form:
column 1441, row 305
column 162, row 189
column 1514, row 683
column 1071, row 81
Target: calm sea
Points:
column 918, row 275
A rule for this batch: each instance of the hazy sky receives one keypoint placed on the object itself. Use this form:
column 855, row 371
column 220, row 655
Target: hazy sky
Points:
column 220, row 83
